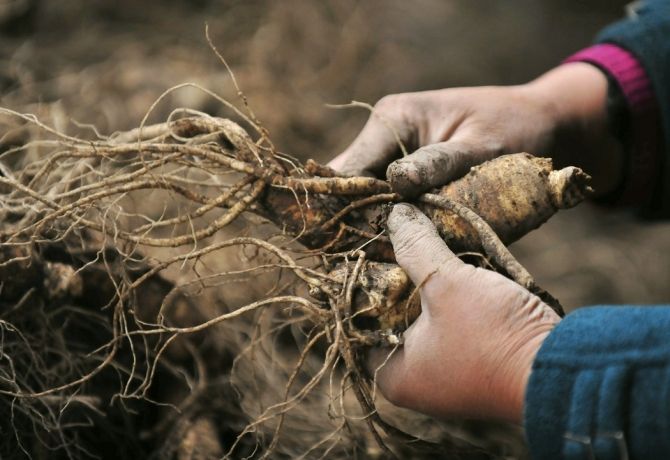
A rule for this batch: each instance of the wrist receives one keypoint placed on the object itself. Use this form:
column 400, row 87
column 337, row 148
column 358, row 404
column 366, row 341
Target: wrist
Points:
column 576, row 95
column 519, row 383
column 576, row 91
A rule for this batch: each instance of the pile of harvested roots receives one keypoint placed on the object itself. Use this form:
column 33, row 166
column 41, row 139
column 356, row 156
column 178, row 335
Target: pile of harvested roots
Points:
column 182, row 290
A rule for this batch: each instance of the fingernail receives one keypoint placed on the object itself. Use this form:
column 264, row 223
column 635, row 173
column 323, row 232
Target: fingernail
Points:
column 405, row 177
column 399, row 216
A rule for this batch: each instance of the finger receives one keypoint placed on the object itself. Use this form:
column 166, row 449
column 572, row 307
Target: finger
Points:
column 418, row 248
column 387, row 368
column 385, row 363
column 377, row 144
column 437, row 164
column 391, row 370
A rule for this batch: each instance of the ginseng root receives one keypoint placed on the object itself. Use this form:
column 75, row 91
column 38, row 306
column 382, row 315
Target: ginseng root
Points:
column 495, row 204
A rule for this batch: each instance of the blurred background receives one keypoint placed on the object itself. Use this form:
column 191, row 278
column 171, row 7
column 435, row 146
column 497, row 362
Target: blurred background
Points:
column 79, row 64
column 104, row 63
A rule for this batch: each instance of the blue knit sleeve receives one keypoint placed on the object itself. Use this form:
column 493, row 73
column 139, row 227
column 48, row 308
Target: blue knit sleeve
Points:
column 646, row 34
column 600, row 386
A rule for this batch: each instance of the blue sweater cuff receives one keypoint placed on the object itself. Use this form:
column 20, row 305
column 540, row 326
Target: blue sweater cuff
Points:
column 600, row 386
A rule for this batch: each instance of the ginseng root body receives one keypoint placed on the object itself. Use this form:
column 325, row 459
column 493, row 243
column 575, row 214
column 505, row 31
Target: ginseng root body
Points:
column 512, row 194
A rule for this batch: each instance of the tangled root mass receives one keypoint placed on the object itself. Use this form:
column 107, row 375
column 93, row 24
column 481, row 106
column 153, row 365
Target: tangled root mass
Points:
column 182, row 290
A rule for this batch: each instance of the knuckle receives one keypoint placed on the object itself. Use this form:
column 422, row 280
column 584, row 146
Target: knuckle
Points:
column 494, row 148
column 394, row 103
column 390, row 101
column 518, row 295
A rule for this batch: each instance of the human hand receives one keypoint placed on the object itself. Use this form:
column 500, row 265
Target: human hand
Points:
column 470, row 351
column 561, row 115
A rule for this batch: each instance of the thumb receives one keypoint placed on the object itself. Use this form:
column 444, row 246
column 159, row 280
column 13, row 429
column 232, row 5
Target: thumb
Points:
column 437, row 164
column 418, row 248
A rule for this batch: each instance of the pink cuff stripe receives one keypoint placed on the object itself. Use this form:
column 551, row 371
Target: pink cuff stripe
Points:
column 646, row 134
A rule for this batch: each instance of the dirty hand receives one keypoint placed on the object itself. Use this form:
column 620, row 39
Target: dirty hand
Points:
column 470, row 351
column 561, row 115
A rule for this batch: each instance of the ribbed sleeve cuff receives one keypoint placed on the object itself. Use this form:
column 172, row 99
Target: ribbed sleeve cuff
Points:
column 645, row 129
column 600, row 386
